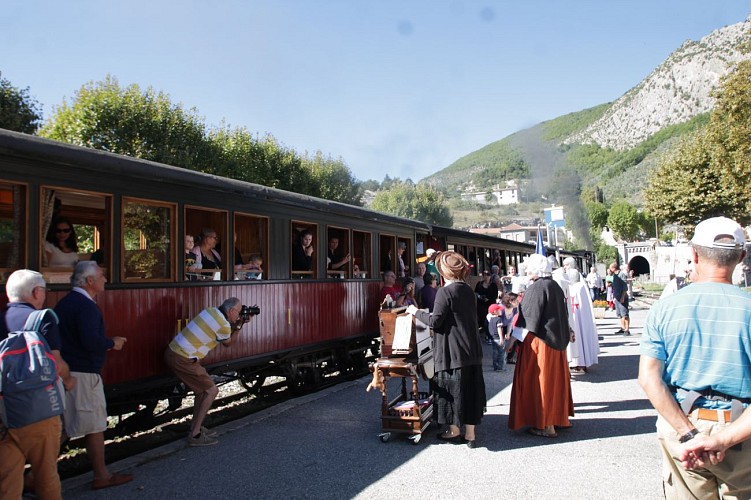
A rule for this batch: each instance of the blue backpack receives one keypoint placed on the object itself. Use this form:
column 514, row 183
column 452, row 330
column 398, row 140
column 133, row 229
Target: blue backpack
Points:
column 30, row 389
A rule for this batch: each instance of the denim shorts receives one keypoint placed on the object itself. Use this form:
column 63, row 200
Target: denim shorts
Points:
column 621, row 310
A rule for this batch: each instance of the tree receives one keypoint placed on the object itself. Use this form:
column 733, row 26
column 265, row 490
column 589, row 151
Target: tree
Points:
column 18, row 110
column 421, row 202
column 707, row 174
column 597, row 213
column 129, row 121
column 623, row 220
column 333, row 178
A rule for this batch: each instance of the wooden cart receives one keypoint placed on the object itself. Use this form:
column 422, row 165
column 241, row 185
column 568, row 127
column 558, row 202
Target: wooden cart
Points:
column 411, row 410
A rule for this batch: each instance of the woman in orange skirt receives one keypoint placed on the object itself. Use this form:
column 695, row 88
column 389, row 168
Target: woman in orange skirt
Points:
column 541, row 394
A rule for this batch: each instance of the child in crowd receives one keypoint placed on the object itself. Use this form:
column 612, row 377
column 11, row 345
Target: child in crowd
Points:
column 254, row 267
column 191, row 266
column 498, row 336
column 508, row 316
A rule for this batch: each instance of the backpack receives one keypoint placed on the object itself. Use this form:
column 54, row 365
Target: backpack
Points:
column 30, row 389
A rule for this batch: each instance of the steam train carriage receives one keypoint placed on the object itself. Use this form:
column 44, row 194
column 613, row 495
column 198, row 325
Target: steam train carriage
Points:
column 131, row 216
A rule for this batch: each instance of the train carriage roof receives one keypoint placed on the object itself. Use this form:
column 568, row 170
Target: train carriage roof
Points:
column 28, row 146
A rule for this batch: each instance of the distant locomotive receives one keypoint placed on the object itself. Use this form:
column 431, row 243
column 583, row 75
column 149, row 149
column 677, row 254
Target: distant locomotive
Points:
column 134, row 215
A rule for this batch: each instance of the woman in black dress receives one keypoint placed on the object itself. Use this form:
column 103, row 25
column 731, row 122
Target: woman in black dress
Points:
column 458, row 385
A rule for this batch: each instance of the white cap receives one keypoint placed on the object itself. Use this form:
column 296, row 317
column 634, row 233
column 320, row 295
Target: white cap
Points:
column 429, row 252
column 719, row 228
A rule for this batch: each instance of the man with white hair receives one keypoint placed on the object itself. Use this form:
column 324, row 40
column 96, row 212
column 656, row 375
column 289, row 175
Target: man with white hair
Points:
column 84, row 346
column 37, row 443
column 595, row 283
column 695, row 370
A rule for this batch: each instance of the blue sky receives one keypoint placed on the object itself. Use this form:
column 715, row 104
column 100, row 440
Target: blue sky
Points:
column 397, row 87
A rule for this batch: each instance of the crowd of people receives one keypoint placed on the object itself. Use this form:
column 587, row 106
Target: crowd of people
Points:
column 75, row 334
column 695, row 355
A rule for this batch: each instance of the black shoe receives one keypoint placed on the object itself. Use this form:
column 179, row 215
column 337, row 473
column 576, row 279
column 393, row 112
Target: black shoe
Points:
column 620, row 330
column 626, row 333
column 453, row 439
column 471, row 444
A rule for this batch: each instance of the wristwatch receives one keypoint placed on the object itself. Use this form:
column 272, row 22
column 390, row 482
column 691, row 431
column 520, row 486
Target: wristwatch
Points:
column 689, row 435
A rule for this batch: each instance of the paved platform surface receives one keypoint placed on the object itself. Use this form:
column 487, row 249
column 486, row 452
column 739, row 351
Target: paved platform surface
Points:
column 326, row 445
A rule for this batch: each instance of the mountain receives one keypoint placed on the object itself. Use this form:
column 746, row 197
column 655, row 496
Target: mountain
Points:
column 613, row 145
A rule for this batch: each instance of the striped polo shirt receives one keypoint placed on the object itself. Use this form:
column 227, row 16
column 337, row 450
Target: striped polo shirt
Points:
column 202, row 334
column 703, row 334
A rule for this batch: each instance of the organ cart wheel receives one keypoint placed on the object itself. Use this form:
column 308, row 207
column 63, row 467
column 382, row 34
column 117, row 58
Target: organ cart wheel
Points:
column 415, row 438
column 385, row 436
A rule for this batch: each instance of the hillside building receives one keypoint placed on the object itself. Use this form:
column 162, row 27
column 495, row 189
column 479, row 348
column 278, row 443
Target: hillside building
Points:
column 507, row 195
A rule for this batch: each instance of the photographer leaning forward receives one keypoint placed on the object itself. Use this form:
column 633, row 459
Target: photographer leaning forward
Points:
column 212, row 325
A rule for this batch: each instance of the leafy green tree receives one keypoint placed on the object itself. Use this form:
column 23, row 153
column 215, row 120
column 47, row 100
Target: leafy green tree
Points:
column 597, row 214
column 707, row 174
column 18, row 110
column 605, row 253
column 129, row 121
column 333, row 179
column 623, row 220
column 421, row 202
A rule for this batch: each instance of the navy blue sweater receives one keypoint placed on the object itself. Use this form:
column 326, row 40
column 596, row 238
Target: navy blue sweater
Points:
column 84, row 343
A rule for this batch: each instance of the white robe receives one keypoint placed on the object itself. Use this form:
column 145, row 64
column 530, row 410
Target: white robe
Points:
column 586, row 348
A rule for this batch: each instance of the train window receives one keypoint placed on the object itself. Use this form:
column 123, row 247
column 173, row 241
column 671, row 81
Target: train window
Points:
column 404, row 257
column 212, row 248
column 148, row 232
column 251, row 252
column 471, row 256
column 75, row 225
column 12, row 228
column 362, row 262
column 339, row 256
column 304, row 259
column 387, row 253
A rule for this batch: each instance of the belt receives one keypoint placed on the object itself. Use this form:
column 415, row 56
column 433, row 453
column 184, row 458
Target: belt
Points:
column 713, row 415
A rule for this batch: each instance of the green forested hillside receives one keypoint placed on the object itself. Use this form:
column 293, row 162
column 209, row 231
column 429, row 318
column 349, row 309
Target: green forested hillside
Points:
column 538, row 153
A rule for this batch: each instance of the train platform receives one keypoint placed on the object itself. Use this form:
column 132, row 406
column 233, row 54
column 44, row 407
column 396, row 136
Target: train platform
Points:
column 326, row 445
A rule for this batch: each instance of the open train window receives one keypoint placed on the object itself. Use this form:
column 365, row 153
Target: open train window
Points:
column 338, row 254
column 12, row 228
column 74, row 226
column 148, row 233
column 362, row 261
column 387, row 253
column 404, row 257
column 251, row 250
column 212, row 247
column 304, row 244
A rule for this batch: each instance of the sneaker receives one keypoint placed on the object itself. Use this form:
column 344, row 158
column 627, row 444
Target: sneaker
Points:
column 201, row 440
column 618, row 331
column 626, row 333
column 209, row 432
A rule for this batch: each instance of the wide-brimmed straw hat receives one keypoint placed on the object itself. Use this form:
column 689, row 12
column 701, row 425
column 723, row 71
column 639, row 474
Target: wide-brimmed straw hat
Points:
column 452, row 265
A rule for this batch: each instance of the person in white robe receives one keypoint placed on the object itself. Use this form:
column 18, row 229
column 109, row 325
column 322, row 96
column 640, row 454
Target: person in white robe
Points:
column 584, row 351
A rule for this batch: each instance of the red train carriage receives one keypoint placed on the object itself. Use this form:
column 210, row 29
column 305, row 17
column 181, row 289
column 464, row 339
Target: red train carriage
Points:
column 132, row 215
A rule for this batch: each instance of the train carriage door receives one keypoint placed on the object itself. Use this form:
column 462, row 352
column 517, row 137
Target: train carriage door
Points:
column 251, row 256
column 13, row 224
column 74, row 226
column 338, row 253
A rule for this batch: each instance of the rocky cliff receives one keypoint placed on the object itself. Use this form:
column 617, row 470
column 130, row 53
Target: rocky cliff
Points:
column 677, row 90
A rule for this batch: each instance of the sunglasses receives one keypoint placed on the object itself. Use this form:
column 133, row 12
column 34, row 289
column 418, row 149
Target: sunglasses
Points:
column 66, row 230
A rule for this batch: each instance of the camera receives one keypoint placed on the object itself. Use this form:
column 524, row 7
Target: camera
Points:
column 247, row 311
